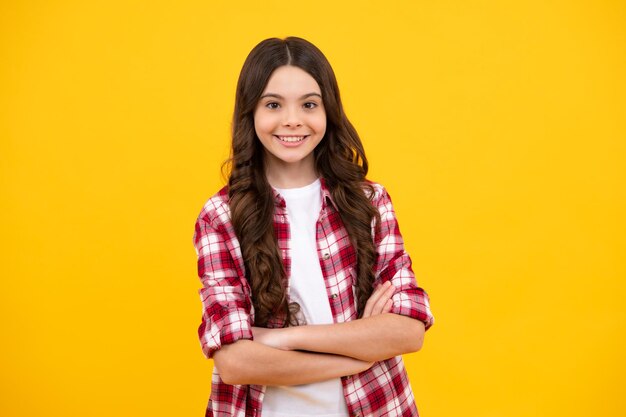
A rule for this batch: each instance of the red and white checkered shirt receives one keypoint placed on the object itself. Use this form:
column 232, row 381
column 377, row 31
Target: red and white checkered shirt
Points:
column 228, row 314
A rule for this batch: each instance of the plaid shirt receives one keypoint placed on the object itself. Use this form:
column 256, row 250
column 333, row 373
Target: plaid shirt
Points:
column 228, row 314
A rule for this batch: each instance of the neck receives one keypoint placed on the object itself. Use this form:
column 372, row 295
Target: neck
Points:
column 291, row 175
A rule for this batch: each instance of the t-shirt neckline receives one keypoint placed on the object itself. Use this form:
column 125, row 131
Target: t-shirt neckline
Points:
column 289, row 192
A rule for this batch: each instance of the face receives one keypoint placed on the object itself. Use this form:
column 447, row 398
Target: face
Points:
column 290, row 119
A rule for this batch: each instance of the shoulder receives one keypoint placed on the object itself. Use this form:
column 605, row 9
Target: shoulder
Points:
column 377, row 193
column 216, row 210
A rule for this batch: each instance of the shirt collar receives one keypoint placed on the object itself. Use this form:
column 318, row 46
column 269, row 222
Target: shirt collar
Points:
column 326, row 195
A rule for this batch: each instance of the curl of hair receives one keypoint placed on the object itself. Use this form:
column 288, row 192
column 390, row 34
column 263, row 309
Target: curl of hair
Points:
column 339, row 159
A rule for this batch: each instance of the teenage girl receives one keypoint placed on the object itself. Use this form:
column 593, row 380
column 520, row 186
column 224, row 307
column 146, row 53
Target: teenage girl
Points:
column 308, row 295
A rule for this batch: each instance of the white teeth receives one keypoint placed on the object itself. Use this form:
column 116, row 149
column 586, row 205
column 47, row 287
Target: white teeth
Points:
column 291, row 138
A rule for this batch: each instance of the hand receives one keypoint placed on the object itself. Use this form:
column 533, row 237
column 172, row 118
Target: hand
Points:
column 276, row 338
column 380, row 301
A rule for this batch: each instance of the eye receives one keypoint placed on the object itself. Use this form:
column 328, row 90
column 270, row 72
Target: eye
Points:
column 310, row 105
column 272, row 105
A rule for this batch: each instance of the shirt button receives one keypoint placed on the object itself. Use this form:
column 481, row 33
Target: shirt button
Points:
column 334, row 296
column 326, row 256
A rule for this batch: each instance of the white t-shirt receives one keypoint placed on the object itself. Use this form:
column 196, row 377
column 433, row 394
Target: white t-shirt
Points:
column 308, row 289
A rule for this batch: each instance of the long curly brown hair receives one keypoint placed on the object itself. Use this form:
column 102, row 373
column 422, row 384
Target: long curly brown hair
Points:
column 339, row 159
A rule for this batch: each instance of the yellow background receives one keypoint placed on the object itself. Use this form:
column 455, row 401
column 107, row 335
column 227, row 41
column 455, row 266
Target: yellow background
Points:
column 498, row 127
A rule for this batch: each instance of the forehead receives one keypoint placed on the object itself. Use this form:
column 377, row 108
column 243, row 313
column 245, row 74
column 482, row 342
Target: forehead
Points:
column 288, row 80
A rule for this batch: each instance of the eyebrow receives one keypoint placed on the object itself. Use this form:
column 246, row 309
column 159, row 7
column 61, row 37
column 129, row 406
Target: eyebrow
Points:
column 301, row 98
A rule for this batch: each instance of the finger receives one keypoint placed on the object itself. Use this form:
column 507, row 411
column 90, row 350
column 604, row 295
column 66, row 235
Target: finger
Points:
column 372, row 300
column 379, row 299
column 381, row 302
column 385, row 300
column 388, row 306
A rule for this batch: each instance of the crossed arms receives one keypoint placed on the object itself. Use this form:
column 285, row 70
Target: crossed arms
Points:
column 307, row 354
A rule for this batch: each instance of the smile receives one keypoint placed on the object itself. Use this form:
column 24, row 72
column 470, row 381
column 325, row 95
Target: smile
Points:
column 290, row 139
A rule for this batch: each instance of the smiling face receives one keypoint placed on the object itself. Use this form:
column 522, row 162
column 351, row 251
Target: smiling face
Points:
column 290, row 121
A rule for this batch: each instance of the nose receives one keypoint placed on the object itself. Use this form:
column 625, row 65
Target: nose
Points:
column 292, row 118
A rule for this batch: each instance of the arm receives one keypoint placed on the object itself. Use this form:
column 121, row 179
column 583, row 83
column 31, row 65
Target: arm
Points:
column 372, row 339
column 248, row 362
column 377, row 336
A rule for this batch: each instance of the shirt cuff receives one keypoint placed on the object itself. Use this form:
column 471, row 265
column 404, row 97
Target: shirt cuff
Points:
column 224, row 329
column 413, row 303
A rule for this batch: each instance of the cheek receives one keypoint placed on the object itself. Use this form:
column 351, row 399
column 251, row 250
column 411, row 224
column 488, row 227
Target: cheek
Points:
column 262, row 123
column 322, row 125
column 319, row 123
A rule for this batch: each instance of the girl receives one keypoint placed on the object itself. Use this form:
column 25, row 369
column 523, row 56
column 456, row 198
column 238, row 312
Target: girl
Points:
column 309, row 297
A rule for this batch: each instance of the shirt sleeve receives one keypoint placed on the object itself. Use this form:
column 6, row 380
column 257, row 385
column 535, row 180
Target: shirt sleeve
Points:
column 394, row 264
column 225, row 294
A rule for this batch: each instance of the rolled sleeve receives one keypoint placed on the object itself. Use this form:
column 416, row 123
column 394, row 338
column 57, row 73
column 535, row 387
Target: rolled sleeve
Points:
column 394, row 264
column 226, row 313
